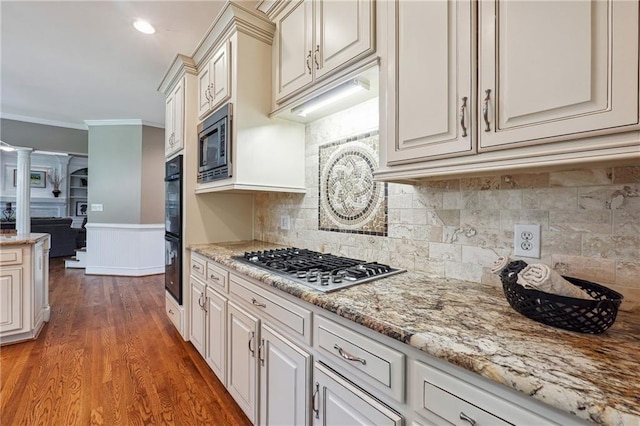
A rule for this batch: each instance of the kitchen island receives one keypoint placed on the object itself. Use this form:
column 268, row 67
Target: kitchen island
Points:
column 593, row 377
column 24, row 285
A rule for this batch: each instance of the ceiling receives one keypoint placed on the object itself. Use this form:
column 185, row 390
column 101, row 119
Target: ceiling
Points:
column 66, row 62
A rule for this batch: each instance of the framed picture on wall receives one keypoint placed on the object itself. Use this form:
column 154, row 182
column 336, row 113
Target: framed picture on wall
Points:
column 81, row 208
column 38, row 178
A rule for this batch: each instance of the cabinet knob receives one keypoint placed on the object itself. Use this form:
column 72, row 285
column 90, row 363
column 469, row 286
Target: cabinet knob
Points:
column 170, row 311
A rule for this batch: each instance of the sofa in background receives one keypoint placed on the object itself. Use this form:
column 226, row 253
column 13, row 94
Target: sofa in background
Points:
column 63, row 236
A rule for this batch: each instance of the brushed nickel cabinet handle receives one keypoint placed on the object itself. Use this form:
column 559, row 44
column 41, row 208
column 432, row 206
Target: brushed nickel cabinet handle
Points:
column 260, row 352
column 258, row 304
column 316, row 408
column 348, row 356
column 467, row 419
column 315, row 56
column 213, row 277
column 462, row 108
column 171, row 312
column 253, row 352
column 308, row 60
column 485, row 110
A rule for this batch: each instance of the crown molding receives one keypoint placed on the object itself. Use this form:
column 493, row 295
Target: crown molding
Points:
column 125, row 122
column 42, row 121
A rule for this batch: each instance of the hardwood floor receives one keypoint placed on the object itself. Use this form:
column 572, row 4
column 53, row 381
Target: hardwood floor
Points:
column 109, row 355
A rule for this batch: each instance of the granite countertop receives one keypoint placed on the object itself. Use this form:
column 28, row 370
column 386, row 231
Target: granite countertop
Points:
column 20, row 239
column 595, row 377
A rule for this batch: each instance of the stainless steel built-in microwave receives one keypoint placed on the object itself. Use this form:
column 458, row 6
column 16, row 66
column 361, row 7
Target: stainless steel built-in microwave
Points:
column 214, row 145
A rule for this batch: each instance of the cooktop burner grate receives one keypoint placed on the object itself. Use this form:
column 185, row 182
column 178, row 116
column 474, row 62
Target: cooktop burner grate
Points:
column 324, row 272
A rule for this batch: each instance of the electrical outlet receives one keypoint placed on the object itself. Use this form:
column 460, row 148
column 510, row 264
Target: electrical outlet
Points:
column 285, row 222
column 526, row 241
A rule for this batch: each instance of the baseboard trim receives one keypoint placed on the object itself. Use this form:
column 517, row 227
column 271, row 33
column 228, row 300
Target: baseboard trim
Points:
column 125, row 272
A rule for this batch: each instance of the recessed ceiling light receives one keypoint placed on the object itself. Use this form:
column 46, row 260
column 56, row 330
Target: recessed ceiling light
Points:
column 144, row 27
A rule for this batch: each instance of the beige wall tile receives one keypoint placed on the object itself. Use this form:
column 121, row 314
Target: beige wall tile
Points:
column 463, row 271
column 610, row 197
column 434, row 267
column 624, row 248
column 599, row 271
column 581, row 177
column 442, row 251
column 550, row 198
column 488, row 219
column 533, row 180
column 629, row 174
column 480, row 183
column 510, row 218
column 626, row 222
column 481, row 256
column 628, row 274
column 631, row 301
column 596, row 221
column 561, row 243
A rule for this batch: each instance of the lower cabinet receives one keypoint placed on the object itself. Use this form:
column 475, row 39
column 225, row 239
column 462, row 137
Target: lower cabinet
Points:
column 338, row 402
column 197, row 315
column 285, row 377
column 242, row 339
column 216, row 334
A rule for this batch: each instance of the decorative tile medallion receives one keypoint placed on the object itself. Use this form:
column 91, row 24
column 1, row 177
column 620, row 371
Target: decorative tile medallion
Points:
column 349, row 199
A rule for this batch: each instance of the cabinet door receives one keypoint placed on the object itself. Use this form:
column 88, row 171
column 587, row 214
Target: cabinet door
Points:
column 343, row 31
column 294, row 48
column 429, row 80
column 204, row 96
column 338, row 402
column 10, row 299
column 242, row 340
column 38, row 284
column 220, row 72
column 174, row 123
column 168, row 124
column 197, row 315
column 216, row 353
column 284, row 381
column 556, row 69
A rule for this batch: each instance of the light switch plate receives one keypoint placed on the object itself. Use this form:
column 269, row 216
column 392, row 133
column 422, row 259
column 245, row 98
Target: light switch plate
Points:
column 285, row 222
column 96, row 207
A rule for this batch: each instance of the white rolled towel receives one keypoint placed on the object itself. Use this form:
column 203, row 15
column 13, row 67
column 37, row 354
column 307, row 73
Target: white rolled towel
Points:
column 499, row 264
column 541, row 277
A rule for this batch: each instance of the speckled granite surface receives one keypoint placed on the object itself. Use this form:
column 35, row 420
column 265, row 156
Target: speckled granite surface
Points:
column 596, row 377
column 20, row 239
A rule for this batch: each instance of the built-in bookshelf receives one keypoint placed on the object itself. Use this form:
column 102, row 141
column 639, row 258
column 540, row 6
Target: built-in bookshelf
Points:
column 78, row 188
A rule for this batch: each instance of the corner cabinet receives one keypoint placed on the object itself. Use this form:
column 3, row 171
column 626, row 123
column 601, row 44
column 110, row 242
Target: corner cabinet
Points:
column 536, row 93
column 78, row 192
column 314, row 38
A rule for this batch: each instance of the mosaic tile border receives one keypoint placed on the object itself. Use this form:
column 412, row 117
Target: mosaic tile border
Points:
column 349, row 200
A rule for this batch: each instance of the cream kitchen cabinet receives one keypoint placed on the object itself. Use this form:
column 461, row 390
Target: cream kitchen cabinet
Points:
column 216, row 334
column 314, row 38
column 174, row 120
column 431, row 82
column 197, row 314
column 24, row 288
column 339, row 402
column 536, row 93
column 214, row 80
column 285, row 377
column 242, row 344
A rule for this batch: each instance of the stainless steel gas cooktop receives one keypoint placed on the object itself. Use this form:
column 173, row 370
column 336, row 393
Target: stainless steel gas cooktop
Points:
column 324, row 272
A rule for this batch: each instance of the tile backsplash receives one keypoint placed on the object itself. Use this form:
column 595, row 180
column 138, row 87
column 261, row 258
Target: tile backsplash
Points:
column 590, row 218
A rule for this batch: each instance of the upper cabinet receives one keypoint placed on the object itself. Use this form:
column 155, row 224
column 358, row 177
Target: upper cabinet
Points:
column 174, row 121
column 177, row 85
column 538, row 88
column 316, row 40
column 577, row 73
column 214, row 81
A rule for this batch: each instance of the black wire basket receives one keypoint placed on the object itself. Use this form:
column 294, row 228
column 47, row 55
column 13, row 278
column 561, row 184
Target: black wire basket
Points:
column 581, row 315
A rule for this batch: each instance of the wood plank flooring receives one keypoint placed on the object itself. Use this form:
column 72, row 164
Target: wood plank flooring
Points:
column 109, row 356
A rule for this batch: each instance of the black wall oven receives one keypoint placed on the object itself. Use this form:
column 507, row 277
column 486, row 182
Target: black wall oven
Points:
column 214, row 145
column 173, row 228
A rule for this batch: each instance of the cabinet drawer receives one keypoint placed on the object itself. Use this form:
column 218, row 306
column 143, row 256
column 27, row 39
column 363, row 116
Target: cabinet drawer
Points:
column 174, row 312
column 11, row 257
column 217, row 277
column 198, row 266
column 447, row 397
column 361, row 357
column 288, row 315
